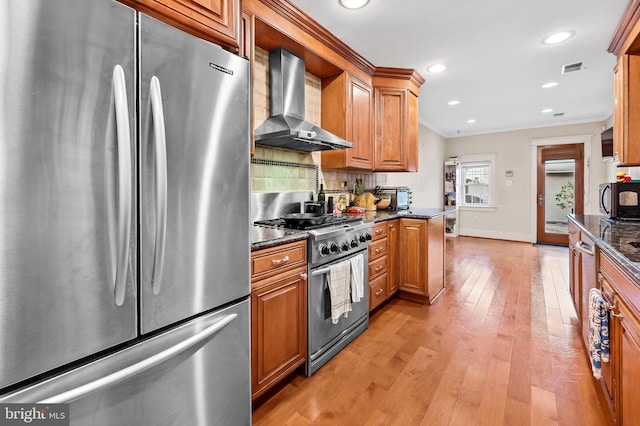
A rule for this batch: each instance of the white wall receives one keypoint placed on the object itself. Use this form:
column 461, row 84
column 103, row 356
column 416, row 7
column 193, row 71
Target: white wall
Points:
column 427, row 183
column 515, row 204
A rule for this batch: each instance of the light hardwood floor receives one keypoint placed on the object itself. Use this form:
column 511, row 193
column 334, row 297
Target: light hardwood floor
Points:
column 501, row 347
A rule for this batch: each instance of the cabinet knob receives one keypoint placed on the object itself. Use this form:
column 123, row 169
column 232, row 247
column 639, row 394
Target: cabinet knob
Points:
column 379, row 292
column 303, row 276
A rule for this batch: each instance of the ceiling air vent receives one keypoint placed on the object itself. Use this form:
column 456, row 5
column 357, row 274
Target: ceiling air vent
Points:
column 567, row 68
column 558, row 114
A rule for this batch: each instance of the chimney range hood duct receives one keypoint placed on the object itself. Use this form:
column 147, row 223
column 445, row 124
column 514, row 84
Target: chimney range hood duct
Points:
column 287, row 128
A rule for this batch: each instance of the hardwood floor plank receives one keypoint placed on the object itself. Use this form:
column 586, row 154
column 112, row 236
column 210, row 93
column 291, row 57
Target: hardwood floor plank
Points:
column 516, row 412
column 543, row 407
column 500, row 347
column 494, row 396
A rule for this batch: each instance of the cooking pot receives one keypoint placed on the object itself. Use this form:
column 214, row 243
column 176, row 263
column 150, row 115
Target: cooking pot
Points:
column 315, row 207
column 304, row 219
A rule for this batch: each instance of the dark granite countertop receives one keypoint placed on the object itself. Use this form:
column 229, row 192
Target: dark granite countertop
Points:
column 619, row 239
column 263, row 237
column 414, row 213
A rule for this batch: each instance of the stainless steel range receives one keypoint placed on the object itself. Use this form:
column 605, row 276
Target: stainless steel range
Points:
column 328, row 246
column 337, row 239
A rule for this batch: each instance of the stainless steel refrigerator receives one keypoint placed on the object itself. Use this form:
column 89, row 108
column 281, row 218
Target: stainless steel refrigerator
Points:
column 124, row 217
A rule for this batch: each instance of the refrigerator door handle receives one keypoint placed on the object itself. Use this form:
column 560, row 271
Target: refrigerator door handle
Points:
column 139, row 367
column 124, row 183
column 160, row 145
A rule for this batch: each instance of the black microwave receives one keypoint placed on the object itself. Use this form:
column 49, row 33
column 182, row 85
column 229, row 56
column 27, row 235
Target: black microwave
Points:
column 620, row 200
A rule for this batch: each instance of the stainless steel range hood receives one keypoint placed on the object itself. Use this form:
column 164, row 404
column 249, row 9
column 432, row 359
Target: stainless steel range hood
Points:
column 287, row 128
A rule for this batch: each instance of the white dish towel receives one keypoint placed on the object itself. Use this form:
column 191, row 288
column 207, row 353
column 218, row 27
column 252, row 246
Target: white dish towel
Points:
column 357, row 278
column 339, row 281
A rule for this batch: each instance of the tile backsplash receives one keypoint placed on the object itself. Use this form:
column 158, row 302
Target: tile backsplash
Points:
column 280, row 170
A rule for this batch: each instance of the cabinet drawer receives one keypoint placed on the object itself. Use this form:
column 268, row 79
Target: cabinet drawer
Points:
column 377, row 249
column 267, row 262
column 377, row 267
column 377, row 291
column 379, row 231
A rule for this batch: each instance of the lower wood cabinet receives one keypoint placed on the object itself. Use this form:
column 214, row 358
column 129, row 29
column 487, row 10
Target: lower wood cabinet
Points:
column 377, row 291
column 378, row 265
column 278, row 320
column 422, row 260
column 621, row 376
column 383, row 262
column 629, row 365
column 393, row 234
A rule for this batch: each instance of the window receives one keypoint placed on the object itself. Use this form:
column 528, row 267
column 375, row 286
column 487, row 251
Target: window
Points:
column 477, row 176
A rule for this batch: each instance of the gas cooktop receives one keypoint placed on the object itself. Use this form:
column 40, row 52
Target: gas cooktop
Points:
column 330, row 220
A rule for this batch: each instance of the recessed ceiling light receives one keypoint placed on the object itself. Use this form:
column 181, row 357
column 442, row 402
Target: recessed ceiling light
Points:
column 471, row 120
column 558, row 37
column 436, row 68
column 546, row 110
column 453, row 103
column 549, row 85
column 354, row 4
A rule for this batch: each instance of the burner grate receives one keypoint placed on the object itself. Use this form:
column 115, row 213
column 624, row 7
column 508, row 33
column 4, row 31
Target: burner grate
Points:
column 330, row 221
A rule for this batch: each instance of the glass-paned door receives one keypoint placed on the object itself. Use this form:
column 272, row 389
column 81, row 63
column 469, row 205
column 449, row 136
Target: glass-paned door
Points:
column 560, row 190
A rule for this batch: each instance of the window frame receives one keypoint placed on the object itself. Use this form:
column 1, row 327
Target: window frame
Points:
column 488, row 160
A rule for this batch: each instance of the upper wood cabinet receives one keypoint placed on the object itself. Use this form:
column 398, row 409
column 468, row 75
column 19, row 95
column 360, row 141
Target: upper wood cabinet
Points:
column 626, row 87
column 396, row 119
column 626, row 110
column 247, row 49
column 347, row 111
column 213, row 20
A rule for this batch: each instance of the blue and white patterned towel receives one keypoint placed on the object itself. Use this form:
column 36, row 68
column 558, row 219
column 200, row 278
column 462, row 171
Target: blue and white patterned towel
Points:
column 598, row 332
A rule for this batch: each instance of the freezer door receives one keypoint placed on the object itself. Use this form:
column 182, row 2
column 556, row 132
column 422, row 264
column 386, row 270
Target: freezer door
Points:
column 194, row 164
column 67, row 194
column 197, row 374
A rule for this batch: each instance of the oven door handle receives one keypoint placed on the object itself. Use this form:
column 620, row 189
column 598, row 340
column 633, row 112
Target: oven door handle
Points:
column 320, row 272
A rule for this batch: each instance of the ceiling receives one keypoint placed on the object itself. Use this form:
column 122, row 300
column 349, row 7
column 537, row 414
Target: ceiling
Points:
column 496, row 61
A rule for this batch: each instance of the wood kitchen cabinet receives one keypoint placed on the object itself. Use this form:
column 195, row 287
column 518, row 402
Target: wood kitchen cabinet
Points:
column 213, row 20
column 582, row 275
column 278, row 314
column 378, row 265
column 621, row 377
column 422, row 260
column 626, row 110
column 347, row 111
column 396, row 119
column 629, row 365
column 393, row 235
column 574, row 267
column 383, row 262
column 247, row 49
